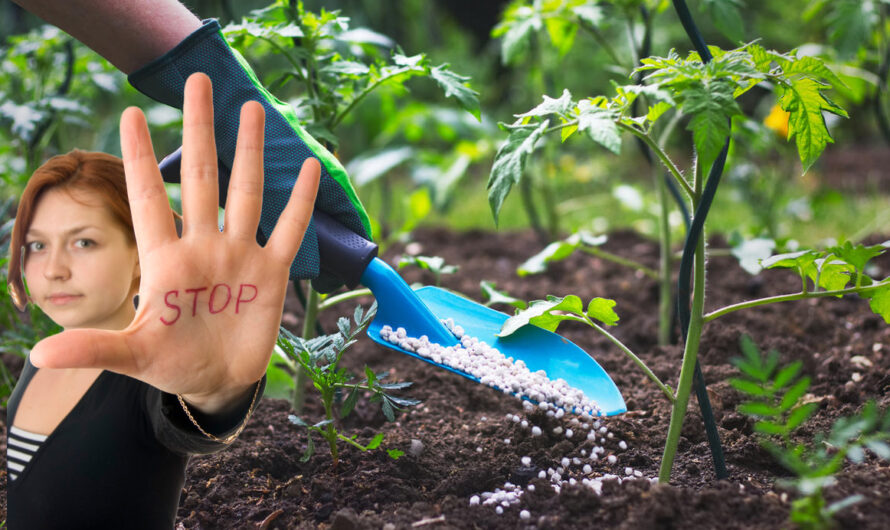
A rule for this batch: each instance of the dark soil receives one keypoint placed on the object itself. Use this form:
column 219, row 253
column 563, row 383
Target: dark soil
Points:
column 260, row 482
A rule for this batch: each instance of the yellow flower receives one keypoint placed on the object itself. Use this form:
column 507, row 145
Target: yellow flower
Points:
column 777, row 121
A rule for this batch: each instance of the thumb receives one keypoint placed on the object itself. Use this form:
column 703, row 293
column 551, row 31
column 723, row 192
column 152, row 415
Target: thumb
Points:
column 85, row 348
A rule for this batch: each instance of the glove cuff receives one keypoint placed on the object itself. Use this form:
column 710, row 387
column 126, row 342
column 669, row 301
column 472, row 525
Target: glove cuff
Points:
column 287, row 145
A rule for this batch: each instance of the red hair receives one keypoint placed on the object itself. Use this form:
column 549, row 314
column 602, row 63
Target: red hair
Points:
column 99, row 173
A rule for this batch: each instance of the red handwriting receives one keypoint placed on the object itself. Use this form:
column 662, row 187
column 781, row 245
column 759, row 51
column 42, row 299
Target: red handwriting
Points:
column 176, row 307
column 214, row 303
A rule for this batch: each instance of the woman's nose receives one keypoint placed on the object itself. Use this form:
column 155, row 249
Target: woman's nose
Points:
column 57, row 267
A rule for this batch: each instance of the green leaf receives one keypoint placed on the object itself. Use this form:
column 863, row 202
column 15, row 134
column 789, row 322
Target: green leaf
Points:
column 879, row 301
column 434, row 264
column 516, row 38
column 296, row 420
column 350, row 68
column 880, row 448
column 370, row 166
column 388, row 410
column 279, row 382
column 800, row 414
column 856, row 454
column 402, row 402
column 789, row 260
column 455, row 86
column 770, row 428
column 793, row 395
column 561, row 106
column 711, row 107
column 786, row 375
column 562, row 34
column 510, row 161
column 857, row 255
column 601, row 309
column 726, row 17
column 657, row 110
column 349, row 403
column 590, row 14
column 310, row 449
column 395, row 454
column 749, row 387
column 844, row 503
column 600, row 125
column 832, row 274
column 499, row 297
column 759, row 409
column 539, row 314
column 804, row 102
column 556, row 251
column 375, row 442
column 851, row 25
column 814, row 67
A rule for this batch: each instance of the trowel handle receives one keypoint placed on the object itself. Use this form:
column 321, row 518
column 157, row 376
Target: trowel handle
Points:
column 342, row 252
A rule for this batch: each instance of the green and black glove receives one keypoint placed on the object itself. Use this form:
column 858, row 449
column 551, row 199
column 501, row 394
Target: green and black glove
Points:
column 287, row 145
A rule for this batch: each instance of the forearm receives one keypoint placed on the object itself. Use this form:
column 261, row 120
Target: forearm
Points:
column 129, row 33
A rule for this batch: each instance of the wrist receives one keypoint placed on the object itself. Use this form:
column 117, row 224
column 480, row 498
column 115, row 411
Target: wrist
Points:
column 222, row 401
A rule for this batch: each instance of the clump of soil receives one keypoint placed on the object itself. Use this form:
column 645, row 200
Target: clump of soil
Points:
column 456, row 446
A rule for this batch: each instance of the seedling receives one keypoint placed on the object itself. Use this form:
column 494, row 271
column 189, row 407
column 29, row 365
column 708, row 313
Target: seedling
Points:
column 706, row 93
column 435, row 264
column 776, row 400
column 332, row 71
column 319, row 358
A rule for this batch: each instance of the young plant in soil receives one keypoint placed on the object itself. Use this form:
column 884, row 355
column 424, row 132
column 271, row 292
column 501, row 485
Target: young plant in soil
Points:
column 526, row 29
column 705, row 93
column 775, row 399
column 319, row 358
column 434, row 264
column 330, row 81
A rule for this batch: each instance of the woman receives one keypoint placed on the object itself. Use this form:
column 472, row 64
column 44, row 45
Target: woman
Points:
column 106, row 413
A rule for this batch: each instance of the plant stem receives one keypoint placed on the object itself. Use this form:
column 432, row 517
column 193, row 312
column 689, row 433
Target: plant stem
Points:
column 687, row 370
column 659, row 152
column 639, row 362
column 331, row 433
column 343, row 297
column 604, row 44
column 300, row 376
column 790, row 298
column 664, row 274
column 608, row 256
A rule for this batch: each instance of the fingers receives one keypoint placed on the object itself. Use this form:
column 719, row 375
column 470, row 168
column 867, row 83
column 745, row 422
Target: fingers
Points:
column 285, row 240
column 200, row 191
column 85, row 348
column 245, row 198
column 152, row 217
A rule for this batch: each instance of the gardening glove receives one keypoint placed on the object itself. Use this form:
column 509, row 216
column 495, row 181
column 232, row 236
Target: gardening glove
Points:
column 287, row 144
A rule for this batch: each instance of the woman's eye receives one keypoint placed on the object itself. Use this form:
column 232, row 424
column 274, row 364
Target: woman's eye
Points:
column 35, row 246
column 84, row 243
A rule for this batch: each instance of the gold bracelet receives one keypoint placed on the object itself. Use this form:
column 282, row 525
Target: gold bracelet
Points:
column 232, row 437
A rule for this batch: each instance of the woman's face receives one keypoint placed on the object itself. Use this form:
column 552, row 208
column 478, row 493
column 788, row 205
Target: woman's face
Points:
column 80, row 265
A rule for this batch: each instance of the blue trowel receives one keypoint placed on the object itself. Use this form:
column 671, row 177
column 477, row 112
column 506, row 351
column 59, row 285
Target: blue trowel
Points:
column 420, row 312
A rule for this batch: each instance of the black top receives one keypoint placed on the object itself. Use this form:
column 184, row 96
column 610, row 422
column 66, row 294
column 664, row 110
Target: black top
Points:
column 117, row 460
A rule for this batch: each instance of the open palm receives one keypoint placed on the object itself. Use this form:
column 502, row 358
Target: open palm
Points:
column 211, row 300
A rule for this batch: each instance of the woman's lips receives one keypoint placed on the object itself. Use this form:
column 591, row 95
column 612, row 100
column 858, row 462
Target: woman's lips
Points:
column 63, row 299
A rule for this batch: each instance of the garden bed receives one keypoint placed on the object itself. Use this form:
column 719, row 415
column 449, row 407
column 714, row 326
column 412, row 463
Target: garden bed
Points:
column 460, row 442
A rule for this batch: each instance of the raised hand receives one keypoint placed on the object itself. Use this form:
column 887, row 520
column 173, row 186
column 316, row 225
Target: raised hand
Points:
column 210, row 302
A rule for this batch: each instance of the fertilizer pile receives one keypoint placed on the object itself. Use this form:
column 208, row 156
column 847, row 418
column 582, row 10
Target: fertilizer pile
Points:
column 488, row 365
column 575, row 414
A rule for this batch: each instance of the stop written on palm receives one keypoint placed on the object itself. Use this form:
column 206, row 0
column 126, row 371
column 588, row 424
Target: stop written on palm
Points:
column 210, row 300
